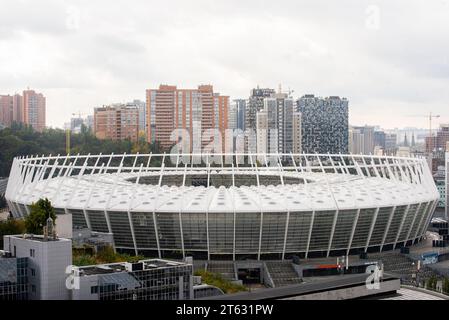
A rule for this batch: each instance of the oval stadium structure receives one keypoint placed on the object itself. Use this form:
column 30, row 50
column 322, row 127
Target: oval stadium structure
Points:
column 234, row 206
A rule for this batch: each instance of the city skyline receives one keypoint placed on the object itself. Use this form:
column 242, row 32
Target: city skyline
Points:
column 82, row 57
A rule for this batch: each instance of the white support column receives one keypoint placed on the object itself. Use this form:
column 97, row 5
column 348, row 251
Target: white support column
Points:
column 131, row 200
column 287, row 221
column 353, row 231
column 207, row 226
column 76, row 190
column 95, row 164
column 407, row 210
column 90, row 196
column 40, row 173
column 108, row 202
column 387, row 228
column 413, row 223
column 371, row 229
column 149, row 162
column 334, row 222
column 260, row 206
column 428, row 218
column 62, row 180
column 52, row 172
column 422, row 219
column 312, row 205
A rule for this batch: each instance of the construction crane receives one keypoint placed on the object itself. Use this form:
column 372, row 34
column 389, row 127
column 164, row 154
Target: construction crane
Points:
column 430, row 117
column 430, row 131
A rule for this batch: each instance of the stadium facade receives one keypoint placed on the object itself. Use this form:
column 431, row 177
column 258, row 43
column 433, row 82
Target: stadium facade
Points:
column 258, row 206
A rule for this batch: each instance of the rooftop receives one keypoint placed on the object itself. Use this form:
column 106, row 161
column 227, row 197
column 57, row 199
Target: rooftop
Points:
column 35, row 237
column 127, row 266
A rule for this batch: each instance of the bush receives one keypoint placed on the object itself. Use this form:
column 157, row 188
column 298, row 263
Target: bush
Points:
column 82, row 257
column 215, row 279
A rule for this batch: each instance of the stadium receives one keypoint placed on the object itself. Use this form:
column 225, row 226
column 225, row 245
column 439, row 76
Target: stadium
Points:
column 234, row 206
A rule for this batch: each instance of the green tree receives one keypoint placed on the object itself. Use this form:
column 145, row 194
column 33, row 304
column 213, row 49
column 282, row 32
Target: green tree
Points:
column 9, row 227
column 37, row 219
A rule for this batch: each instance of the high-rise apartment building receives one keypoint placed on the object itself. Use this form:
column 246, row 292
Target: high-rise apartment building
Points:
column 34, row 109
column 278, row 126
column 438, row 142
column 391, row 143
column 6, row 110
column 237, row 114
column 28, row 109
column 361, row 140
column 141, row 106
column 193, row 110
column 324, row 124
column 117, row 122
column 254, row 104
column 379, row 139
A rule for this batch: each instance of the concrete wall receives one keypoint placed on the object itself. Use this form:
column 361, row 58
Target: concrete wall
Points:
column 64, row 226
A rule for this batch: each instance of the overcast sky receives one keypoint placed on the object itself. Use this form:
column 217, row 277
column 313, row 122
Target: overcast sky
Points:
column 389, row 58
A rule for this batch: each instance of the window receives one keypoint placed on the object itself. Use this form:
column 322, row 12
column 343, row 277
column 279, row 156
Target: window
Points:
column 32, row 253
column 94, row 290
column 33, row 288
column 33, row 272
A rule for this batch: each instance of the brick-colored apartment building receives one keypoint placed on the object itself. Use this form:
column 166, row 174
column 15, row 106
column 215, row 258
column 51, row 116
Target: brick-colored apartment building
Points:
column 170, row 108
column 29, row 108
column 116, row 122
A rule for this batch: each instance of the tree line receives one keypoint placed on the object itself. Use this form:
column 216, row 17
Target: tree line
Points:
column 23, row 140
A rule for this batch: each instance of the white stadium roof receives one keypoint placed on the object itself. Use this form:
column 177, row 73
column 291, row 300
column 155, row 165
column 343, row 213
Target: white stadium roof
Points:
column 385, row 181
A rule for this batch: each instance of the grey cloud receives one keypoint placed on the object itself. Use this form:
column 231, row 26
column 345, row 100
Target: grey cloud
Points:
column 87, row 53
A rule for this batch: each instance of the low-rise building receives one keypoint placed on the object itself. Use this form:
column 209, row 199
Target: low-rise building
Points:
column 47, row 262
column 153, row 279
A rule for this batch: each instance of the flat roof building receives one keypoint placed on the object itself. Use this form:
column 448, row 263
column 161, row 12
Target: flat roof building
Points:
column 118, row 122
column 47, row 261
column 153, row 279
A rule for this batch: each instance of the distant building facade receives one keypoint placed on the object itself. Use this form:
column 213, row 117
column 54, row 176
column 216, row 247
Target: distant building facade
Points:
column 117, row 122
column 439, row 141
column 141, row 106
column 324, row 124
column 391, row 144
column 361, row 140
column 254, row 104
column 278, row 126
column 29, row 108
column 237, row 114
column 379, row 139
